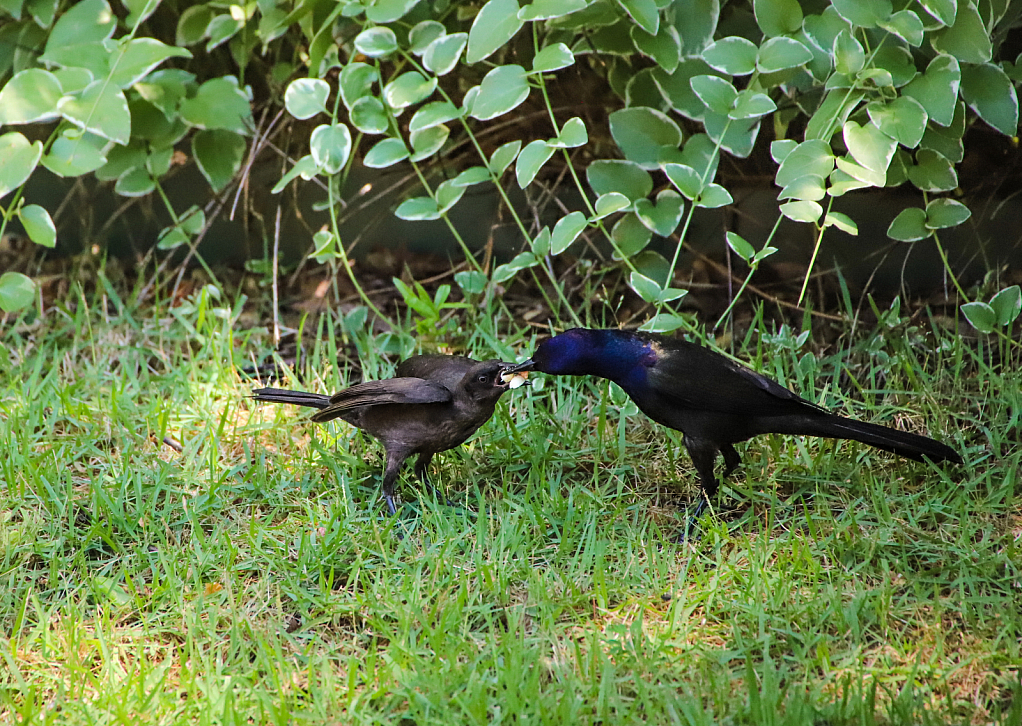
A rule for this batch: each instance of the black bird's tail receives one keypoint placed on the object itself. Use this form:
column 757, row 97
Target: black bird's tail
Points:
column 299, row 398
column 902, row 443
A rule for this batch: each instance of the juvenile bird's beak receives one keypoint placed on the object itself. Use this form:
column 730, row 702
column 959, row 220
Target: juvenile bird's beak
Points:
column 513, row 376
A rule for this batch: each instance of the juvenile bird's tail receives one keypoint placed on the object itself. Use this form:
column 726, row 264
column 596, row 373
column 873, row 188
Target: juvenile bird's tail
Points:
column 902, row 443
column 299, row 398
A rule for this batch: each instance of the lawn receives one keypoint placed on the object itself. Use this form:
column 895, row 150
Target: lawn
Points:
column 251, row 577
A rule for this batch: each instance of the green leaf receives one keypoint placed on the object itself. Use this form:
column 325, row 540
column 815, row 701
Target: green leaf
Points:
column 84, row 22
column 906, row 25
column 376, row 42
column 932, row 172
column 18, row 159
column 541, row 243
column 649, row 290
column 369, row 116
column 903, row 119
column 869, row 146
column 306, row 168
column 31, row 96
column 857, row 171
column 218, row 154
column 424, row 33
column 427, row 142
column 832, row 113
column 550, row 9
column 742, row 248
column 778, row 54
column 192, row 25
column 386, row 153
column 433, row 114
column 496, row 23
column 408, row 89
column 615, row 175
column 101, row 109
column 780, row 149
column 849, row 55
column 991, row 94
column 501, row 159
column 630, row 237
column 685, row 179
column 664, row 47
column 472, row 175
column 909, row 226
column 645, row 14
column 219, row 104
column 221, row 29
column 418, row 209
column 448, row 194
column 980, row 315
column 842, row 221
column 808, row 188
column 552, row 58
column 532, row 158
column 522, row 261
column 17, row 291
column 503, row 89
column 864, row 13
column 609, row 203
column 306, row 97
column 968, row 39
column 778, row 17
column 644, row 134
column 751, row 104
column 713, row 196
column 566, row 231
column 38, row 225
column 718, row 94
column 75, row 156
column 330, row 146
column 472, row 282
column 663, row 218
column 801, row 211
column 944, row 213
column 356, row 80
column 943, row 10
column 733, row 55
column 135, row 59
column 443, row 53
column 937, row 88
column 1007, row 304
column 387, row 11
column 663, row 323
column 573, row 134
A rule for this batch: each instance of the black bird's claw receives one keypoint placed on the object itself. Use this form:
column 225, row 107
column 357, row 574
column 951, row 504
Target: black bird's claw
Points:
column 692, row 523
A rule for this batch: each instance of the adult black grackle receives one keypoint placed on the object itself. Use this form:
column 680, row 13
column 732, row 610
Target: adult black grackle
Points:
column 434, row 403
column 714, row 401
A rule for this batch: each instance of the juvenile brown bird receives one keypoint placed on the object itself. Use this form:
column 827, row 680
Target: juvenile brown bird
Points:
column 433, row 404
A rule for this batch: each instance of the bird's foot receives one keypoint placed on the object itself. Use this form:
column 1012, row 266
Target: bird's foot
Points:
column 691, row 533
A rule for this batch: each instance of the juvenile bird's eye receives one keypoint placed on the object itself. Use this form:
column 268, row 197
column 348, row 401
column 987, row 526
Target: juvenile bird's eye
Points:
column 483, row 379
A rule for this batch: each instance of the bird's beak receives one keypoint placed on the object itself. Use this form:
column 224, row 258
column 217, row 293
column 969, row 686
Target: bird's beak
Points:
column 513, row 376
column 526, row 366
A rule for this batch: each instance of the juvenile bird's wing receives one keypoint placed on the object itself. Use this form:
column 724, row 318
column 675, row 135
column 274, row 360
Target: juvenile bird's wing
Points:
column 695, row 377
column 391, row 390
column 447, row 370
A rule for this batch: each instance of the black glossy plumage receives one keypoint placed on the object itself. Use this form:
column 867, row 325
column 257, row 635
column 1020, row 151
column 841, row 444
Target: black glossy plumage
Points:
column 714, row 401
column 433, row 404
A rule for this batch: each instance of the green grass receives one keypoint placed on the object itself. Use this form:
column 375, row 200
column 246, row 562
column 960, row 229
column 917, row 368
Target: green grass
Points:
column 251, row 578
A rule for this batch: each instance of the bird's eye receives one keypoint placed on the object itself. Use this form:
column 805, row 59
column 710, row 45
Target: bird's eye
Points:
column 483, row 379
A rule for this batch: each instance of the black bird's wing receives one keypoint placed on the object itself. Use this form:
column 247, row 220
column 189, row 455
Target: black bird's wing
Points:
column 447, row 370
column 391, row 390
column 701, row 379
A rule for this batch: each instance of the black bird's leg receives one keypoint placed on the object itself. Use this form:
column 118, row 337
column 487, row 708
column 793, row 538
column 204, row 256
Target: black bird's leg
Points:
column 732, row 460
column 704, row 456
column 390, row 471
column 422, row 474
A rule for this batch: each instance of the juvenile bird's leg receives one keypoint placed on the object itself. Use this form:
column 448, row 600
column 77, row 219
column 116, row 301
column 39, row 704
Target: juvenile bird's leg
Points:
column 390, row 471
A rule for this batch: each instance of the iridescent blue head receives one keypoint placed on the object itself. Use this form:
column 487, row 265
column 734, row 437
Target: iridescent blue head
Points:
column 619, row 355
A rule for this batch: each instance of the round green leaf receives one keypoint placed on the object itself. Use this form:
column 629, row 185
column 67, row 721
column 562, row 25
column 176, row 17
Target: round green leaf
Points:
column 305, row 97
column 630, row 237
column 906, row 25
column 18, row 159
column 903, row 119
column 676, row 87
column 566, row 231
column 532, row 158
column 937, row 88
column 801, row 211
column 219, row 104
column 100, row 108
column 609, row 203
column 615, row 175
column 944, row 213
column 16, row 291
column 808, row 188
column 778, row 54
column 665, row 216
column 424, row 33
column 644, row 287
column 644, row 134
column 427, row 142
column 991, row 94
column 219, row 154
column 980, row 315
column 417, row 209
column 645, row 13
column 75, row 156
column 386, row 153
column 1007, row 304
column 191, row 26
column 472, row 282
column 573, row 134
column 733, row 55
column 501, row 159
column 751, row 104
column 932, row 172
column 443, row 53
column 408, row 89
column 31, row 96
column 387, row 11
column 968, row 39
column 713, row 196
column 552, row 58
column 869, row 146
column 84, row 22
column 909, row 226
column 778, row 17
column 849, row 55
column 664, row 47
column 369, row 116
column 330, row 146
column 813, row 157
column 376, row 42
column 493, row 27
column 503, row 89
column 138, row 182
column 718, row 94
column 864, row 13
column 433, row 114
column 356, row 81
column 685, row 179
column 38, row 225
